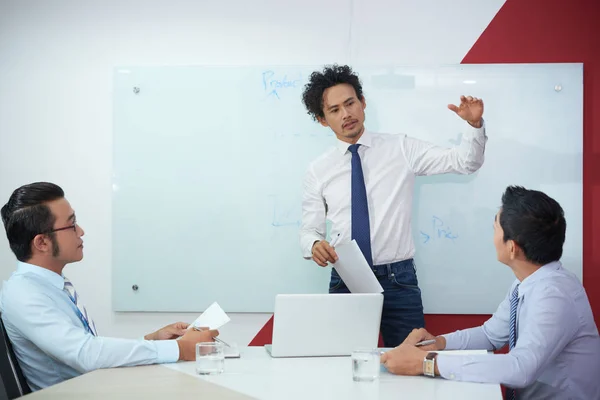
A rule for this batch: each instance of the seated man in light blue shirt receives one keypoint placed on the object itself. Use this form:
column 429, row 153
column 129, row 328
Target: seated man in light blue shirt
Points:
column 546, row 318
column 52, row 334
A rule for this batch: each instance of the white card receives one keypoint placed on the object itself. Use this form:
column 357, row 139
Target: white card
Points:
column 213, row 318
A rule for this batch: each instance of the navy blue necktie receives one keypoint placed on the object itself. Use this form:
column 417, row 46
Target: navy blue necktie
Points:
column 361, row 232
column 512, row 332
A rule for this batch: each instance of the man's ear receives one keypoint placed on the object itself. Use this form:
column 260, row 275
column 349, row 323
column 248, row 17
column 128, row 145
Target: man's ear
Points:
column 513, row 249
column 42, row 243
column 322, row 121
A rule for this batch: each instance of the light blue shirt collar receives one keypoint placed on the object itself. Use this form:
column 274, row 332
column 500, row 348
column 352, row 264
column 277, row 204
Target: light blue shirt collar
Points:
column 541, row 273
column 50, row 276
column 365, row 140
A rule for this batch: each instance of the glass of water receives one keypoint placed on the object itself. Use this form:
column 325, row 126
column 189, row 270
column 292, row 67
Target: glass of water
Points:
column 210, row 358
column 365, row 365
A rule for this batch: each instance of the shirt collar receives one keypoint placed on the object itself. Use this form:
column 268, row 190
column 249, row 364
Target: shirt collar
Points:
column 364, row 140
column 545, row 270
column 52, row 277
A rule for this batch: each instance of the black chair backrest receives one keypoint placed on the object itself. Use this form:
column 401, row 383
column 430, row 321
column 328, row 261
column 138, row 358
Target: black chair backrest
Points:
column 13, row 382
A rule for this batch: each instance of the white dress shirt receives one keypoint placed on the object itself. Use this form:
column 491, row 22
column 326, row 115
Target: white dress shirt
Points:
column 557, row 354
column 390, row 164
column 51, row 342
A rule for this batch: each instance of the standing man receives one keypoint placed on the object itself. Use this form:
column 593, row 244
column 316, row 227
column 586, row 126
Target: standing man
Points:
column 364, row 186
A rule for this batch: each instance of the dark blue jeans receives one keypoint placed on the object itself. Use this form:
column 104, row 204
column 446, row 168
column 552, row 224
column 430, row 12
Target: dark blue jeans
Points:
column 402, row 304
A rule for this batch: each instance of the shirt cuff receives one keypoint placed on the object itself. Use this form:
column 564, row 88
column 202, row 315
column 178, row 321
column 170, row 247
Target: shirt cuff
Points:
column 452, row 341
column 167, row 351
column 449, row 366
column 309, row 242
column 473, row 132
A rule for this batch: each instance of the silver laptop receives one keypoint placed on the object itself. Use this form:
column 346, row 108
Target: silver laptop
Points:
column 314, row 325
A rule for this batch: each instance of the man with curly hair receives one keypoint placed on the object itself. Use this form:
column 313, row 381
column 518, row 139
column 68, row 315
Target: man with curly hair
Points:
column 364, row 186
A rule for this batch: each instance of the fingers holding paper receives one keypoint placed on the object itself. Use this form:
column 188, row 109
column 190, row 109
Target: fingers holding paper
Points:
column 187, row 343
column 205, row 334
column 323, row 253
column 169, row 332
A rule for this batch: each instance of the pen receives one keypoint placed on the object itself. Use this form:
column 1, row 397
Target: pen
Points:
column 221, row 341
column 214, row 337
column 425, row 342
column 335, row 240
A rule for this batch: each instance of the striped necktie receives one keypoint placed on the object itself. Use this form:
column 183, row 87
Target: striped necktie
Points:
column 512, row 332
column 87, row 322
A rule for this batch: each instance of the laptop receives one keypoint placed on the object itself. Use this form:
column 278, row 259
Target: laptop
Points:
column 325, row 325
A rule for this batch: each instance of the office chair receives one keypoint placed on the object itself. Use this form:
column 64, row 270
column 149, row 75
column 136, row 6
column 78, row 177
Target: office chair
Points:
column 12, row 382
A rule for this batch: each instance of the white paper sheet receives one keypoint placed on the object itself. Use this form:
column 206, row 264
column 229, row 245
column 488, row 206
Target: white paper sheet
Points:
column 354, row 269
column 213, row 318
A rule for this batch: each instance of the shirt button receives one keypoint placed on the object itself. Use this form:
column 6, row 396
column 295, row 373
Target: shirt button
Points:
column 452, row 376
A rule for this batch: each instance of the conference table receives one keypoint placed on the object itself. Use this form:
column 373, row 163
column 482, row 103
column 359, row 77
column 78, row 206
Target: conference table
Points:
column 256, row 375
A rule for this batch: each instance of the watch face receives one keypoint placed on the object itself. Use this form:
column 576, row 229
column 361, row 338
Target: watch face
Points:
column 428, row 367
column 429, row 364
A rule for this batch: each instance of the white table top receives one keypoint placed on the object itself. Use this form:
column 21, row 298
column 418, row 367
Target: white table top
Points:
column 259, row 375
column 151, row 382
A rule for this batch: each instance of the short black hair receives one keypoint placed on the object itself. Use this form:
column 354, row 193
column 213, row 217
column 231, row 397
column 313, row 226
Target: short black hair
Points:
column 318, row 82
column 26, row 215
column 535, row 221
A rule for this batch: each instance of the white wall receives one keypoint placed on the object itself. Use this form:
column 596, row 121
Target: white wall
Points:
column 56, row 60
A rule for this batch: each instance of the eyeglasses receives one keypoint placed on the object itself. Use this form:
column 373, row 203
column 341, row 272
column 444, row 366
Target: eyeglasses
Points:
column 64, row 228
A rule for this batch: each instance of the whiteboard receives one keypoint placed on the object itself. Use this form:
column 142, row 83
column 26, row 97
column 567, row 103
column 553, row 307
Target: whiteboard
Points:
column 209, row 162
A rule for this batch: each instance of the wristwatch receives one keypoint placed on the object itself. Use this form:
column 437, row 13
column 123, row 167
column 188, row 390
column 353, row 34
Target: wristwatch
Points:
column 429, row 364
